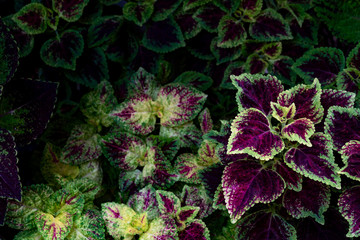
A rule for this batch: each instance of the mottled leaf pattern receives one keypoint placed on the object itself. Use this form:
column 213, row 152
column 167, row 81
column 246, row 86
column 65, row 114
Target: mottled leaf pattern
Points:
column 145, row 201
column 168, row 202
column 89, row 225
column 143, row 82
column 197, row 197
column 161, row 228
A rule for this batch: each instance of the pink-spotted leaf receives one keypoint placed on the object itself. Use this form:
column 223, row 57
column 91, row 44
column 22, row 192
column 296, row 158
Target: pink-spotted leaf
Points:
column 251, row 133
column 315, row 162
column 313, row 200
column 246, row 183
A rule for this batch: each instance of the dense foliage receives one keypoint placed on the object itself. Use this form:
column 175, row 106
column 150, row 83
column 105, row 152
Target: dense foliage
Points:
column 179, row 119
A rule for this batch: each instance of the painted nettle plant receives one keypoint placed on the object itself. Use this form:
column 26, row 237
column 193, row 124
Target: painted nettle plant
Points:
column 179, row 119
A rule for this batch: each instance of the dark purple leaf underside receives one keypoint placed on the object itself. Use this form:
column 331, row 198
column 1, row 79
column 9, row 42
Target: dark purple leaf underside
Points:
column 195, row 230
column 270, row 26
column 251, row 134
column 257, row 91
column 292, row 179
column 10, row 186
column 349, row 203
column 313, row 200
column 263, row 225
column 164, row 36
column 63, row 52
column 246, row 183
column 209, row 17
column 282, row 69
column 321, row 63
column 9, row 55
column 34, row 102
column 91, row 68
column 316, row 162
column 343, row 125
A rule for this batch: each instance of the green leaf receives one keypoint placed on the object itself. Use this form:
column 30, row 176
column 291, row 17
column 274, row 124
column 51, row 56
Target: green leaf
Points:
column 195, row 79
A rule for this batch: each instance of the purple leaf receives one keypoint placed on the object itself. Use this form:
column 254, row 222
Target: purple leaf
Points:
column 3, row 206
column 251, row 8
column 197, row 197
column 283, row 114
column 211, row 177
column 353, row 59
column 31, row 18
column 263, row 225
column 163, row 8
column 350, row 154
column 272, row 50
column 219, row 199
column 231, row 32
column 9, row 54
column 188, row 168
column 223, row 55
column 292, row 179
column 281, row 68
column 321, row 63
column 270, row 26
column 255, row 64
column 306, row 99
column 164, row 36
column 246, row 183
column 300, row 131
column 343, row 125
column 10, row 186
column 209, row 17
column 186, row 214
column 234, row 68
column 168, row 203
column 103, row 29
column 169, row 146
column 82, row 145
column 188, row 25
column 179, row 104
column 316, row 162
column 228, row 6
column 313, row 200
column 256, row 91
column 349, row 202
column 206, row 123
column 63, row 51
column 136, row 114
column 28, row 108
column 348, row 80
column 195, row 230
column 251, row 134
column 69, row 10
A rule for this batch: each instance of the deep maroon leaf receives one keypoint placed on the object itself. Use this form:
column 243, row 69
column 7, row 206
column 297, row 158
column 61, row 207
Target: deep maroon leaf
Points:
column 281, row 68
column 195, row 230
column 231, row 32
column 10, row 186
column 234, row 68
column 313, row 200
column 28, row 108
column 292, row 179
column 349, row 203
column 103, row 30
column 199, row 46
column 246, row 183
column 211, row 177
column 256, row 91
column 264, row 225
column 188, row 25
column 350, row 154
column 209, row 17
column 255, row 64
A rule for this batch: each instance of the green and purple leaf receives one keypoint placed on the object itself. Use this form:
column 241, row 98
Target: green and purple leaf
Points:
column 161, row 228
column 195, row 230
column 250, row 9
column 219, row 199
column 209, row 17
column 9, row 54
column 307, row 101
column 89, row 225
column 234, row 68
column 187, row 135
column 342, row 125
column 63, row 51
column 281, row 68
column 348, row 203
column 124, row 150
column 143, row 82
column 91, row 68
column 188, row 168
column 353, row 59
column 31, row 18
column 26, row 110
column 231, row 32
column 138, row 12
column 82, row 145
column 292, row 179
column 228, row 6
column 312, row 201
column 163, row 36
column 246, row 183
column 316, row 162
column 256, row 91
column 272, row 50
column 10, row 186
column 283, row 114
column 3, row 207
column 69, row 10
column 350, row 154
column 251, row 133
column 103, row 30
column 263, row 225
column 348, row 80
column 255, row 64
column 179, row 104
column 163, row 8
column 206, row 123
column 211, row 177
column 187, row 213
column 194, row 79
column 189, row 4
column 188, row 25
column 168, row 145
column 53, row 228
column 270, row 26
column 145, row 201
column 136, row 114
column 196, row 196
column 168, row 202
column 224, row 55
column 322, row 63
column 300, row 131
